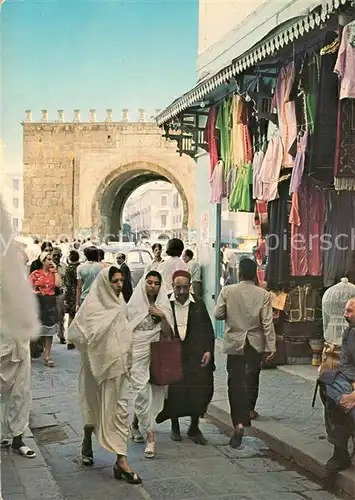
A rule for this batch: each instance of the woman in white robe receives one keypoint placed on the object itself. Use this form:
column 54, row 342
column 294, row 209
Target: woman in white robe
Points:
column 150, row 317
column 19, row 325
column 101, row 333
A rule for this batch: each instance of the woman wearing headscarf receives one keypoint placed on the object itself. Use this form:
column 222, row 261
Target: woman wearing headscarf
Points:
column 150, row 317
column 19, row 325
column 101, row 333
column 44, row 282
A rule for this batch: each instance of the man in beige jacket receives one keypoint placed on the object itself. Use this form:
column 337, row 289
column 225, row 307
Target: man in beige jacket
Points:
column 249, row 335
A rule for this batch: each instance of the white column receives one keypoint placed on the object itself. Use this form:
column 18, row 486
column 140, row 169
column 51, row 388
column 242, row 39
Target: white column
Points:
column 125, row 115
column 76, row 115
column 93, row 115
column 60, row 115
column 44, row 115
column 28, row 115
column 109, row 115
column 142, row 115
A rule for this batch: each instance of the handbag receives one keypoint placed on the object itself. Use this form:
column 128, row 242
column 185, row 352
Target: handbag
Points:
column 166, row 363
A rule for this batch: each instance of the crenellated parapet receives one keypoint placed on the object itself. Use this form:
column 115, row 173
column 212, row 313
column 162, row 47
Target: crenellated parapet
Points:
column 92, row 117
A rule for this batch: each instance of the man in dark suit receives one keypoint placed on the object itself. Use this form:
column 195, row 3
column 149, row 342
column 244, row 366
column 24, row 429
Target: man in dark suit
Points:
column 126, row 273
column 339, row 397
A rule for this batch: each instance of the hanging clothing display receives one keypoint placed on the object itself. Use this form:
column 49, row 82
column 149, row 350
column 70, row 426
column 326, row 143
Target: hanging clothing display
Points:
column 240, row 199
column 307, row 227
column 345, row 64
column 257, row 181
column 339, row 250
column 218, row 183
column 323, row 144
column 344, row 171
column 270, row 169
column 286, row 111
column 224, row 125
column 237, row 135
column 299, row 162
column 211, row 138
column 279, row 238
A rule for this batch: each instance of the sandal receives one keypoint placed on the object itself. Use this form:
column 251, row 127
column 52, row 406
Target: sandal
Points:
column 87, row 456
column 49, row 363
column 25, row 451
column 135, row 435
column 5, row 443
column 149, row 451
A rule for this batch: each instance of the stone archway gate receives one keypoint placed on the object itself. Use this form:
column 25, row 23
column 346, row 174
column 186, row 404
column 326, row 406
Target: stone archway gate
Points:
column 77, row 173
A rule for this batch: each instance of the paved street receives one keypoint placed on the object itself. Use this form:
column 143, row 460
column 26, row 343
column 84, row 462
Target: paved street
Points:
column 180, row 470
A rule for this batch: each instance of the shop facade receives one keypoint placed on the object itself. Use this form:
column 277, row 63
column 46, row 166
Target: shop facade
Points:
column 271, row 126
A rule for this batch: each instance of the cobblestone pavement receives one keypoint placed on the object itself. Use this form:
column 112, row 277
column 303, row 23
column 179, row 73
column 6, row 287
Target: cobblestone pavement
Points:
column 283, row 397
column 180, row 471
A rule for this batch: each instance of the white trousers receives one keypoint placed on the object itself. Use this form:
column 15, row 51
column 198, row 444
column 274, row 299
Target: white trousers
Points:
column 15, row 388
column 105, row 407
column 148, row 400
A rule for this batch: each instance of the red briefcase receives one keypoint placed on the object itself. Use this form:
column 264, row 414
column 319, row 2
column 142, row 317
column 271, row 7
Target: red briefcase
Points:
column 166, row 365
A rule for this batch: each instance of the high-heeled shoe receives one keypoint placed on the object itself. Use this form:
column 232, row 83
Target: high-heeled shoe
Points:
column 149, row 451
column 122, row 475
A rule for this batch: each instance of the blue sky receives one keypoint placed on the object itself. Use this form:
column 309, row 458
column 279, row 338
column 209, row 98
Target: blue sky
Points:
column 67, row 54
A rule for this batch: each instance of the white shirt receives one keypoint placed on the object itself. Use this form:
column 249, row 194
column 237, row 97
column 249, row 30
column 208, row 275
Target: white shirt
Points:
column 168, row 268
column 182, row 314
column 195, row 271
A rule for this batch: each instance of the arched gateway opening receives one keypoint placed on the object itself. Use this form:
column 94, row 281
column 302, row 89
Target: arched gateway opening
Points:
column 114, row 191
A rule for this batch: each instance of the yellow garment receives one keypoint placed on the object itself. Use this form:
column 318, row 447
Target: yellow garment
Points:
column 237, row 133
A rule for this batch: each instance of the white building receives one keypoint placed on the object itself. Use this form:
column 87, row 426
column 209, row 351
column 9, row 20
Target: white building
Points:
column 12, row 192
column 154, row 212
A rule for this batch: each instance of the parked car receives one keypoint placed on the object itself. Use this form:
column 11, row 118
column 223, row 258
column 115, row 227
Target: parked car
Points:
column 136, row 259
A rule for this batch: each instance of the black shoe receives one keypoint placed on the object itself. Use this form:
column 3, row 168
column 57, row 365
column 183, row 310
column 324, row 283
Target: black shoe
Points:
column 175, row 435
column 236, row 439
column 87, row 456
column 122, row 475
column 197, row 437
column 70, row 347
column 339, row 461
column 62, row 340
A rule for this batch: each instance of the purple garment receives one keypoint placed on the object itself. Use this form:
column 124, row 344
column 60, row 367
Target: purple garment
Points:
column 299, row 162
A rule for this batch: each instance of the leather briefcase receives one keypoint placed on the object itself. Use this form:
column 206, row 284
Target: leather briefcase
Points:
column 166, row 365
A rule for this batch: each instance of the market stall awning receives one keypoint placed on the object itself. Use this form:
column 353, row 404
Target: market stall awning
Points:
column 268, row 46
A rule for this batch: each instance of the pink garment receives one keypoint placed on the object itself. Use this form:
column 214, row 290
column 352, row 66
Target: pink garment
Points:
column 211, row 139
column 307, row 219
column 286, row 111
column 298, row 165
column 218, row 183
column 270, row 169
column 345, row 65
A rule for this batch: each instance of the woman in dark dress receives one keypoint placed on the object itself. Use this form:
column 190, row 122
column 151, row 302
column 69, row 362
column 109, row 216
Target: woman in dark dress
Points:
column 70, row 283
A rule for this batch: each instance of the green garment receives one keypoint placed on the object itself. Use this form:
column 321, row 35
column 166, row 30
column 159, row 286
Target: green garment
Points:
column 224, row 125
column 239, row 200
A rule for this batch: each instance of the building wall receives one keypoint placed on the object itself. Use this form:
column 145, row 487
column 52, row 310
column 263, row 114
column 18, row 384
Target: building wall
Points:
column 151, row 208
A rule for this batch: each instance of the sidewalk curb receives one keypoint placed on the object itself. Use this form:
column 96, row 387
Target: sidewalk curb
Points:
column 291, row 445
column 35, row 475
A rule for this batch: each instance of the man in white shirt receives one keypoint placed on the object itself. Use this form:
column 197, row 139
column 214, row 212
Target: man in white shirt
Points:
column 192, row 325
column 173, row 263
column 33, row 251
column 195, row 271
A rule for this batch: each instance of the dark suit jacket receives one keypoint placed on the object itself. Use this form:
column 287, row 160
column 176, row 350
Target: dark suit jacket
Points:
column 347, row 354
column 127, row 283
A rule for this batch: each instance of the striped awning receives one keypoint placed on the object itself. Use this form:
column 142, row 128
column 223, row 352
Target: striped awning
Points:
column 269, row 46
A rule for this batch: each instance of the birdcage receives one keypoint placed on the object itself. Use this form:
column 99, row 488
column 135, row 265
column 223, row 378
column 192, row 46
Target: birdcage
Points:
column 333, row 306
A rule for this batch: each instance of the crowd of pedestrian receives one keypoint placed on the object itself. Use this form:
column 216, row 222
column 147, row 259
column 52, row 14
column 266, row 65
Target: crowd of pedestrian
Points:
column 116, row 330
